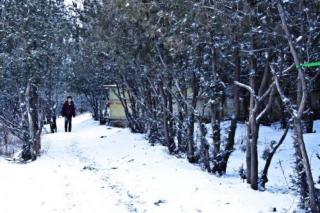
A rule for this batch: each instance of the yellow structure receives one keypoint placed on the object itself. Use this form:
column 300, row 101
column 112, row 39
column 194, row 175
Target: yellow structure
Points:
column 116, row 114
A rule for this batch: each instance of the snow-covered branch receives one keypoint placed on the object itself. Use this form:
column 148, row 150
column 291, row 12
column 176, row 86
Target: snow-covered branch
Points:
column 247, row 87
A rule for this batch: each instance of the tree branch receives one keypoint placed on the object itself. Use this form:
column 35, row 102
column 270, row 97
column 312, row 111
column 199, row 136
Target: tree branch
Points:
column 301, row 73
column 245, row 87
column 286, row 101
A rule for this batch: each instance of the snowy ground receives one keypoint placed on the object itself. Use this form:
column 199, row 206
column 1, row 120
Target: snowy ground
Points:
column 96, row 169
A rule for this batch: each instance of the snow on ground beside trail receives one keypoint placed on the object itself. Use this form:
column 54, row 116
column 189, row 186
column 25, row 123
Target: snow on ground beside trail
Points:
column 96, row 169
column 282, row 167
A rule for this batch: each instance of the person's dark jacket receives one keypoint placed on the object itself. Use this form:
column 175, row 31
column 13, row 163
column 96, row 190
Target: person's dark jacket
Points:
column 68, row 110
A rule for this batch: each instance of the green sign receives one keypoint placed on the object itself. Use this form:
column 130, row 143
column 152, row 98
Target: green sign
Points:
column 310, row 64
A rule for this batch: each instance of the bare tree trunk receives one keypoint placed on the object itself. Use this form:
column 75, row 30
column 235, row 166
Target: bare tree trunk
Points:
column 254, row 119
column 102, row 108
column 254, row 131
column 182, row 113
column 21, row 108
column 233, row 126
column 251, row 157
column 153, row 125
column 94, row 103
column 299, row 163
column 309, row 116
column 171, row 145
column 204, row 145
column 215, row 116
column 169, row 141
column 302, row 89
column 191, row 121
column 33, row 146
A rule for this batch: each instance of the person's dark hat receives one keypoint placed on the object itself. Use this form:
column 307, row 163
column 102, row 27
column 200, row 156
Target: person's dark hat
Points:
column 69, row 97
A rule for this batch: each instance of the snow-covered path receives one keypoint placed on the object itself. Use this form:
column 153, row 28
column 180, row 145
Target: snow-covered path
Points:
column 96, row 169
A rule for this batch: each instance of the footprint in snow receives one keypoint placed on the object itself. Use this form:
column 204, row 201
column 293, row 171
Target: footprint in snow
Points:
column 159, row 202
column 90, row 168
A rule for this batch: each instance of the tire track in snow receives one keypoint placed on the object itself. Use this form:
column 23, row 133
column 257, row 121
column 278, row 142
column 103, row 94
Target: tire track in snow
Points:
column 127, row 198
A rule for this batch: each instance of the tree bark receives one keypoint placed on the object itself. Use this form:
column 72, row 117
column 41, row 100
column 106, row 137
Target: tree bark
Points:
column 264, row 175
column 215, row 117
column 236, row 110
column 191, row 145
column 204, row 145
column 302, row 99
column 33, row 146
column 166, row 104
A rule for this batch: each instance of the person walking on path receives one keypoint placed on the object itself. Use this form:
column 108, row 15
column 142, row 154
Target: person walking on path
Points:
column 68, row 111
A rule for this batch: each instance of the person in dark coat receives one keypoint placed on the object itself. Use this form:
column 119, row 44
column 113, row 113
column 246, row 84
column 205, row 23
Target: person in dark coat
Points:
column 68, row 111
